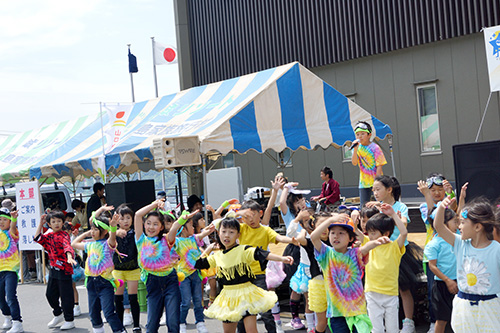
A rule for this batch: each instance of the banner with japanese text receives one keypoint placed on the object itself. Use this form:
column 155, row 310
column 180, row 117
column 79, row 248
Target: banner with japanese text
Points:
column 29, row 205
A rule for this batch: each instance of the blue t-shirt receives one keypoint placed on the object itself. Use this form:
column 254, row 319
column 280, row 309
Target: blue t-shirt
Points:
column 438, row 249
column 288, row 218
column 398, row 206
column 478, row 270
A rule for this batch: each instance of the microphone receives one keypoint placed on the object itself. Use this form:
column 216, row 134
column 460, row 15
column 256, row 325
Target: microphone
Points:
column 354, row 144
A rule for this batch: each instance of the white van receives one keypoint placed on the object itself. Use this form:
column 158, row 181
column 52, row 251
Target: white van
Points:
column 53, row 195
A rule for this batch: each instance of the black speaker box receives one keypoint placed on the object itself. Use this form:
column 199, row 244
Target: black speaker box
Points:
column 136, row 194
column 479, row 164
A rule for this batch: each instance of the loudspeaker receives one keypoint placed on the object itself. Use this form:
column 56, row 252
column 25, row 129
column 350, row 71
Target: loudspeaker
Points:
column 479, row 164
column 136, row 194
column 176, row 152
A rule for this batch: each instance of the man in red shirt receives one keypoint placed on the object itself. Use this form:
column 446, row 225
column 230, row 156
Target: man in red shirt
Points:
column 330, row 190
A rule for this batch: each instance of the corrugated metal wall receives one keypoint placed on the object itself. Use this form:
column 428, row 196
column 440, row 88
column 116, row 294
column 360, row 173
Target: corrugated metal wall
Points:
column 230, row 38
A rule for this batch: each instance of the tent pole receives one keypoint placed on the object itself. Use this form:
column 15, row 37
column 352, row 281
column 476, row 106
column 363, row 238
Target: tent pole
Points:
column 179, row 181
column 205, row 192
column 163, row 179
column 392, row 155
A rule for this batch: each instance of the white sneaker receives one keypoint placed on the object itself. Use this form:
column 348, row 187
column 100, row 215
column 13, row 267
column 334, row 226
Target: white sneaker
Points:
column 279, row 327
column 163, row 320
column 98, row 330
column 201, row 328
column 17, row 327
column 7, row 323
column 431, row 328
column 77, row 311
column 408, row 326
column 55, row 321
column 182, row 328
column 127, row 319
column 67, row 325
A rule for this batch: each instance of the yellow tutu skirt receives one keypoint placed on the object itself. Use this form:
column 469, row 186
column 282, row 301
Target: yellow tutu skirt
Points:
column 234, row 301
column 317, row 295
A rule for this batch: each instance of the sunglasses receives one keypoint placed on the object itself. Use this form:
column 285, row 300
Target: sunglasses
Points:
column 438, row 180
column 362, row 126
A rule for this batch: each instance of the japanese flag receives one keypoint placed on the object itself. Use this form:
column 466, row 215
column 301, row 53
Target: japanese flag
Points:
column 165, row 54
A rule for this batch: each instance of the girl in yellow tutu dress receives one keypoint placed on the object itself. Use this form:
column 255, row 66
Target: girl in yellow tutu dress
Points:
column 239, row 298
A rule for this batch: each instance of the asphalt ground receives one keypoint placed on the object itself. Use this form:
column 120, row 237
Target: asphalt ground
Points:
column 36, row 313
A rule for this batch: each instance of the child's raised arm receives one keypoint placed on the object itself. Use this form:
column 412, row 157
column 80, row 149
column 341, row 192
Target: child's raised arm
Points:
column 284, row 196
column 424, row 189
column 463, row 195
column 278, row 183
column 206, row 231
column 112, row 230
column 185, row 216
column 403, row 232
column 439, row 225
column 78, row 244
column 13, row 222
column 218, row 212
column 316, row 234
column 138, row 218
column 301, row 238
column 40, row 226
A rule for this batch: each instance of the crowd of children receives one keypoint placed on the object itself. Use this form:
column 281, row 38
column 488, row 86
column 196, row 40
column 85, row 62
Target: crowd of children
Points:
column 353, row 265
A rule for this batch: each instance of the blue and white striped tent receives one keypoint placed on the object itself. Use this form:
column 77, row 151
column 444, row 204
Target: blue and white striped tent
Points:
column 282, row 107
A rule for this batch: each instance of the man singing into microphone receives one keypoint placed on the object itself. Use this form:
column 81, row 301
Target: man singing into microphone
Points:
column 370, row 159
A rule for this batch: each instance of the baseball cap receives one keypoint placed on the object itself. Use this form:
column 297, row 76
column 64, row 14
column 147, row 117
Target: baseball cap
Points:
column 346, row 223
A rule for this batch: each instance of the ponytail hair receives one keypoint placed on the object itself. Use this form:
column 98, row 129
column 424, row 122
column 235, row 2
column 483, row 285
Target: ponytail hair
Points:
column 390, row 182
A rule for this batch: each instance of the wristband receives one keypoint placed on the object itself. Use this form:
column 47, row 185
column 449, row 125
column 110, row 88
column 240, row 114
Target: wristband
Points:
column 451, row 195
column 112, row 229
column 225, row 204
column 182, row 220
column 14, row 219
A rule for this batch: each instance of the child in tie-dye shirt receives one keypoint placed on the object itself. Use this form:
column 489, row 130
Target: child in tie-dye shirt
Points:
column 187, row 247
column 9, row 268
column 342, row 268
column 370, row 159
column 158, row 262
column 99, row 269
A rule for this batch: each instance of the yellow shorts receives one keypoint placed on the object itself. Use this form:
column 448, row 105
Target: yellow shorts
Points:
column 317, row 295
column 134, row 275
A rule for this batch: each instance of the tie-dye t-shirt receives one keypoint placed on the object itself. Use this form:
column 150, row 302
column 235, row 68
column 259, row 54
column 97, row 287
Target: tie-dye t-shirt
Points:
column 369, row 158
column 342, row 273
column 156, row 257
column 99, row 259
column 188, row 251
column 9, row 255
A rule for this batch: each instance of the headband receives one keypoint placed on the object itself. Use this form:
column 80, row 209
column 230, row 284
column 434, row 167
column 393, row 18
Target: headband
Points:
column 167, row 213
column 359, row 129
column 101, row 224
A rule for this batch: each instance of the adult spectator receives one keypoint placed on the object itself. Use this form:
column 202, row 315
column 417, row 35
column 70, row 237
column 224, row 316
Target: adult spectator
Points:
column 80, row 214
column 94, row 202
column 330, row 190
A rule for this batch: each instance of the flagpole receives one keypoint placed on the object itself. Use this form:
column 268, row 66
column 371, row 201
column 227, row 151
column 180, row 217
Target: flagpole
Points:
column 131, row 80
column 154, row 67
column 482, row 119
column 102, row 140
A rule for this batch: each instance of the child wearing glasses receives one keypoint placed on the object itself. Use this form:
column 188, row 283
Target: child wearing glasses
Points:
column 434, row 189
column 369, row 157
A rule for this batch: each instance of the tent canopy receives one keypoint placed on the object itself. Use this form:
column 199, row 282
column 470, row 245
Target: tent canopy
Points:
column 282, row 107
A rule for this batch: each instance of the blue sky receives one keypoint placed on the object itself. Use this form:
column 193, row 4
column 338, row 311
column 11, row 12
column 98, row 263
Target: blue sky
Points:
column 59, row 59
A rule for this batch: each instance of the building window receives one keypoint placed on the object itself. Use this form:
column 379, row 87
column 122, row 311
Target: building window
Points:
column 346, row 153
column 285, row 158
column 228, row 160
column 428, row 118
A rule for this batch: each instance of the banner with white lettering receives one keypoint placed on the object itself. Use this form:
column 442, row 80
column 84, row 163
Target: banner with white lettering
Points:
column 29, row 205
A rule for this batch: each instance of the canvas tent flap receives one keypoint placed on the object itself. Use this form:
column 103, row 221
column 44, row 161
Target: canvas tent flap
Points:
column 282, row 107
column 18, row 152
